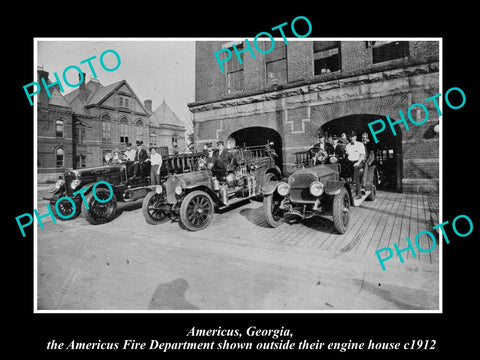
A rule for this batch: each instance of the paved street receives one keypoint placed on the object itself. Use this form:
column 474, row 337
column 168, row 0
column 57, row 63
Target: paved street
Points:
column 238, row 263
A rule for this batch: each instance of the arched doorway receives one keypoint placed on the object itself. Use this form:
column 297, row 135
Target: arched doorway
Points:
column 258, row 135
column 388, row 150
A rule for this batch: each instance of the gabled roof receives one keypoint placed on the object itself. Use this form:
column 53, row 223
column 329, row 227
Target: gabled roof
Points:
column 103, row 92
column 163, row 115
column 57, row 98
column 97, row 93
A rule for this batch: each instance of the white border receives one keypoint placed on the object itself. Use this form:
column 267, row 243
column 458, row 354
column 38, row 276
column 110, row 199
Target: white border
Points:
column 440, row 236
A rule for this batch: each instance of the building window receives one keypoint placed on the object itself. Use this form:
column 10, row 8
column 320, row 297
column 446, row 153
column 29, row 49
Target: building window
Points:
column 276, row 64
column 153, row 139
column 139, row 130
column 124, row 130
column 163, row 151
column 174, row 140
column 389, row 50
column 106, row 128
column 81, row 161
column 326, row 56
column 80, row 134
column 60, row 155
column 59, row 128
column 235, row 71
column 123, row 101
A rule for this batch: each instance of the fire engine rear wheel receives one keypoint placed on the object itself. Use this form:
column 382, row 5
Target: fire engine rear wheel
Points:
column 196, row 211
column 151, row 208
column 273, row 215
column 341, row 211
column 65, row 208
column 99, row 213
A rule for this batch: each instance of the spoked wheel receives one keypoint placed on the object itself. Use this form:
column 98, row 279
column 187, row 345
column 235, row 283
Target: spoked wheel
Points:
column 273, row 215
column 153, row 208
column 341, row 211
column 66, row 209
column 98, row 212
column 196, row 211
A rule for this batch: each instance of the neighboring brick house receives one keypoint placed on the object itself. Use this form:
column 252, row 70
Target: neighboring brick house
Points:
column 289, row 94
column 167, row 131
column 77, row 129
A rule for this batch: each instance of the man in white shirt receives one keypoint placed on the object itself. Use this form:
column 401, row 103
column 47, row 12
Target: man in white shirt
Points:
column 156, row 164
column 130, row 158
column 355, row 151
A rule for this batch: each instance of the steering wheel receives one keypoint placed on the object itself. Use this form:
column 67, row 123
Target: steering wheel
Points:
column 319, row 155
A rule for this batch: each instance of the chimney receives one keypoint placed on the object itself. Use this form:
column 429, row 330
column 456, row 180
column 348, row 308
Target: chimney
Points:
column 83, row 93
column 148, row 105
column 43, row 98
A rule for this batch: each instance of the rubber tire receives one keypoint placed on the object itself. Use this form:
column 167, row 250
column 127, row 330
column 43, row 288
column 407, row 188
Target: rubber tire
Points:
column 183, row 211
column 146, row 213
column 78, row 210
column 373, row 193
column 90, row 200
column 269, row 177
column 267, row 211
column 338, row 201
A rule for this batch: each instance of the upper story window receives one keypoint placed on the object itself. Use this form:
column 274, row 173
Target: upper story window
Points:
column 153, row 139
column 389, row 50
column 59, row 128
column 276, row 64
column 235, row 71
column 124, row 130
column 139, row 126
column 60, row 157
column 106, row 128
column 326, row 57
column 123, row 101
column 80, row 134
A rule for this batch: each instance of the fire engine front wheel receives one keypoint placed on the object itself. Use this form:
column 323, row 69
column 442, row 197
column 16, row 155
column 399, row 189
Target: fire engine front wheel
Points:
column 273, row 215
column 153, row 208
column 341, row 211
column 196, row 211
column 99, row 212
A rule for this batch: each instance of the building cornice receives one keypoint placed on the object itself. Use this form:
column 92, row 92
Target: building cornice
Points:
column 375, row 73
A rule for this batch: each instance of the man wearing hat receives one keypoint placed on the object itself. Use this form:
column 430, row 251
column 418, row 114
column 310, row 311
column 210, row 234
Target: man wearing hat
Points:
column 140, row 157
column 222, row 154
column 130, row 158
column 355, row 151
column 322, row 145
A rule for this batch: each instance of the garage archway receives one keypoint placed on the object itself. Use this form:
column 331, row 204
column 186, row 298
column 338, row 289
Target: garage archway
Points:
column 258, row 135
column 388, row 149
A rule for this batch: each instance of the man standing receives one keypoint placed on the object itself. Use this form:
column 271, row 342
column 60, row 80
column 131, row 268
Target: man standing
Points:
column 222, row 159
column 370, row 155
column 156, row 165
column 222, row 153
column 130, row 158
column 355, row 151
column 140, row 157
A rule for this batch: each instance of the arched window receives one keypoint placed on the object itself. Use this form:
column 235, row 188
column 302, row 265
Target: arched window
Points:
column 106, row 128
column 139, row 129
column 60, row 155
column 153, row 139
column 124, row 130
column 59, row 128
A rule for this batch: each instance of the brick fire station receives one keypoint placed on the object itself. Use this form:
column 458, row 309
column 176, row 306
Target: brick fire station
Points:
column 299, row 89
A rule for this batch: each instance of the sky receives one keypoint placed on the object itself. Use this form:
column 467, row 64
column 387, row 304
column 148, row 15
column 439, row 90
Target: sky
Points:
column 155, row 70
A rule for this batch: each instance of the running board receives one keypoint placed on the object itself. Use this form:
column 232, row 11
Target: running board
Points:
column 358, row 202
